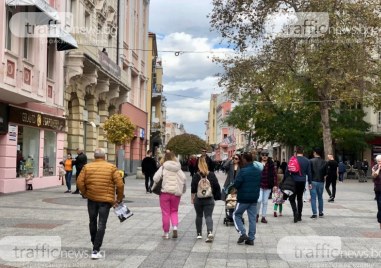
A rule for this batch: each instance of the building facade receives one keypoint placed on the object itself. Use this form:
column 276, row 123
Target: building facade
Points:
column 173, row 129
column 32, row 122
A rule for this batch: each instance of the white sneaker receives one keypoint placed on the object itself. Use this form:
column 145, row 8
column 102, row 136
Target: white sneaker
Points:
column 165, row 236
column 96, row 255
column 210, row 238
column 199, row 236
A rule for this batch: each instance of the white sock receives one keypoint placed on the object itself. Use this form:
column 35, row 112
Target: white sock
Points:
column 174, row 227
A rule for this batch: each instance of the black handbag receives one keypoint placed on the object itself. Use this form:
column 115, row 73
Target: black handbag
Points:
column 156, row 188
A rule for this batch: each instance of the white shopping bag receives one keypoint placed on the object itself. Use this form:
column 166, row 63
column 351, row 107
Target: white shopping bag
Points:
column 122, row 212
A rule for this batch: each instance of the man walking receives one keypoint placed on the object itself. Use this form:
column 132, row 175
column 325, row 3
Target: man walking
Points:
column 300, row 178
column 79, row 162
column 319, row 171
column 332, row 172
column 247, row 183
column 149, row 168
column 97, row 183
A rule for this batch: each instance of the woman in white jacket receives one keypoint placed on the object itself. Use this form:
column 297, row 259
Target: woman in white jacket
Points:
column 172, row 188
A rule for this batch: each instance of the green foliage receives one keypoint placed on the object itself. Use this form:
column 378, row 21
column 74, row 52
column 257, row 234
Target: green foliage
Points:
column 295, row 78
column 186, row 144
column 119, row 129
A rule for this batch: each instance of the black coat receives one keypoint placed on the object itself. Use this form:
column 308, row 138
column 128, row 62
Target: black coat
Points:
column 216, row 188
column 149, row 166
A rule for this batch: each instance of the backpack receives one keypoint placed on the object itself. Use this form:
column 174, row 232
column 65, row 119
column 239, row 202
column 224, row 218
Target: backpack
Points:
column 204, row 189
column 293, row 165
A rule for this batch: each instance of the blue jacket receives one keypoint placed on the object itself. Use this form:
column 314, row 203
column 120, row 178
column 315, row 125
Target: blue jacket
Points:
column 247, row 183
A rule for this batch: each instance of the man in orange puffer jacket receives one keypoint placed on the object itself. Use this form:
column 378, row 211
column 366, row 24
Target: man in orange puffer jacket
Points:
column 97, row 182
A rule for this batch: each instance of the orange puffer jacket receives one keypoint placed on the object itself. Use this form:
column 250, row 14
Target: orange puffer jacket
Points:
column 97, row 182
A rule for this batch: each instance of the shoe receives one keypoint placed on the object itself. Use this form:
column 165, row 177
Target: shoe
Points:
column 331, row 199
column 96, row 255
column 165, row 236
column 321, row 215
column 299, row 217
column 257, row 218
column 280, row 215
column 304, row 200
column 75, row 192
column 249, row 242
column 263, row 220
column 210, row 238
column 295, row 218
column 68, row 191
column 242, row 239
column 314, row 217
column 199, row 236
column 174, row 234
column 275, row 215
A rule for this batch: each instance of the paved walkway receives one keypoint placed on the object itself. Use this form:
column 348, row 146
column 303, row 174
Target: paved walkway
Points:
column 349, row 226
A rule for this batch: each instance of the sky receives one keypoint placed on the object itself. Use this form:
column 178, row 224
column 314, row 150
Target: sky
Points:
column 191, row 77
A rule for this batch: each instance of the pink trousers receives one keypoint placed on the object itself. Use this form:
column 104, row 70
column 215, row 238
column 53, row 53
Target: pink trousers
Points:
column 169, row 204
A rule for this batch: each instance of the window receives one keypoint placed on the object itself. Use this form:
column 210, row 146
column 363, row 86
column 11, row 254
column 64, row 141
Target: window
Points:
column 28, row 145
column 379, row 118
column 49, row 160
column 50, row 58
column 8, row 37
column 87, row 20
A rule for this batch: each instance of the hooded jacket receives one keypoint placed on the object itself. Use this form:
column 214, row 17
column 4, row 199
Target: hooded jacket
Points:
column 174, row 178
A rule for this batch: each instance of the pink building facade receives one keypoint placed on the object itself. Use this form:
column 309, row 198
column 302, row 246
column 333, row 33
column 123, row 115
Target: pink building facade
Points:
column 32, row 126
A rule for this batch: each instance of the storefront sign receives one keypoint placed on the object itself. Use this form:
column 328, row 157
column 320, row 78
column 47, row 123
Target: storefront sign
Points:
column 34, row 119
column 108, row 64
column 12, row 133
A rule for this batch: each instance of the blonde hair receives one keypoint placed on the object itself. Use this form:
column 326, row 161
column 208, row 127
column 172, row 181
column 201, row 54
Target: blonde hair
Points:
column 169, row 157
column 203, row 166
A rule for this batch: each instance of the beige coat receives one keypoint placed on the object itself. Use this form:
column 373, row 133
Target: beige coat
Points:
column 97, row 182
column 174, row 179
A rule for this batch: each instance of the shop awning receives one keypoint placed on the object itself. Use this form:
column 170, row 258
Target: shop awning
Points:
column 50, row 14
column 64, row 40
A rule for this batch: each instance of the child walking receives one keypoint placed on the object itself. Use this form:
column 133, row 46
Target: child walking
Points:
column 29, row 180
column 278, row 201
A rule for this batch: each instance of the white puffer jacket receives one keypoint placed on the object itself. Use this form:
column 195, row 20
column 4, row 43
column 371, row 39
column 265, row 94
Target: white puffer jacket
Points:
column 174, row 179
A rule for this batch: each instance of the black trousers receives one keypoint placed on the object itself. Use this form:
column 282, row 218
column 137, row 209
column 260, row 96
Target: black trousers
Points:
column 148, row 181
column 328, row 182
column 299, row 190
column 97, row 227
column 378, row 198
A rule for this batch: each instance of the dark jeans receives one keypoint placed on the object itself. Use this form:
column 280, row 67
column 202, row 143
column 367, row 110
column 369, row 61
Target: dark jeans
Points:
column 149, row 181
column 68, row 179
column 341, row 176
column 204, row 208
column 97, row 228
column 328, row 183
column 378, row 198
column 299, row 190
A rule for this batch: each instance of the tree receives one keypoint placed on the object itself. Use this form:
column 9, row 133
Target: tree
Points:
column 186, row 144
column 339, row 65
column 119, row 129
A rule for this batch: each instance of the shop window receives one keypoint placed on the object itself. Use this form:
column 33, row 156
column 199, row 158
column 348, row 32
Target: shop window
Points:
column 50, row 149
column 28, row 144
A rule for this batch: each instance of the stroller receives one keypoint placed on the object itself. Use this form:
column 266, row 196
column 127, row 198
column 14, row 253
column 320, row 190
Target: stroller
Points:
column 230, row 203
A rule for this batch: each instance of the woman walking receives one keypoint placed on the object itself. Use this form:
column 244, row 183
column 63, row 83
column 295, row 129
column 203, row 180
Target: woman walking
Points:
column 231, row 167
column 377, row 186
column 172, row 188
column 205, row 190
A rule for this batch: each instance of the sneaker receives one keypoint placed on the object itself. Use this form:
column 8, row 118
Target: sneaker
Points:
column 96, row 255
column 165, row 236
column 242, row 239
column 331, row 199
column 280, row 215
column 249, row 242
column 75, row 192
column 174, row 234
column 275, row 215
column 321, row 215
column 314, row 217
column 68, row 191
column 199, row 236
column 210, row 238
column 263, row 220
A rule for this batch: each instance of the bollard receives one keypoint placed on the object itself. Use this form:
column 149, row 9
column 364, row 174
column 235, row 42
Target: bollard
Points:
column 139, row 173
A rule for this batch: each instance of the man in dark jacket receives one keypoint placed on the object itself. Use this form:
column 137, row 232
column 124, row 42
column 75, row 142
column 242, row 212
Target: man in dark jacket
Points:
column 332, row 172
column 79, row 162
column 247, row 183
column 300, row 179
column 319, row 171
column 208, row 160
column 149, row 168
